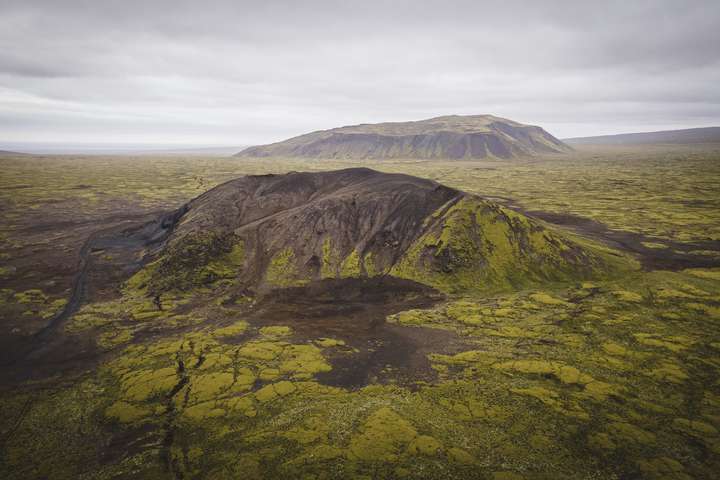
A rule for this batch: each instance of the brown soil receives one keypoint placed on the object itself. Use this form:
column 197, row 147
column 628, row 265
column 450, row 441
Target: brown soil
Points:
column 354, row 310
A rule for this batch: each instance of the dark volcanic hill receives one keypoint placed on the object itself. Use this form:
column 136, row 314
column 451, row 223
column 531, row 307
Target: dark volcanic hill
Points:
column 452, row 137
column 678, row 137
column 271, row 231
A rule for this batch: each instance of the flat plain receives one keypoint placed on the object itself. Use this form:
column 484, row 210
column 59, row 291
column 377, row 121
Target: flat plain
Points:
column 610, row 378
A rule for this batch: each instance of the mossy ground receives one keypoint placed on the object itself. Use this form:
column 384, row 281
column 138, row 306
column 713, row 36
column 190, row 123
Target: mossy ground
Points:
column 597, row 378
column 569, row 383
column 483, row 247
column 50, row 204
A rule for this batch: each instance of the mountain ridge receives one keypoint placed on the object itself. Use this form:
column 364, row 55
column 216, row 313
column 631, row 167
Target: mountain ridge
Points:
column 450, row 136
column 680, row 137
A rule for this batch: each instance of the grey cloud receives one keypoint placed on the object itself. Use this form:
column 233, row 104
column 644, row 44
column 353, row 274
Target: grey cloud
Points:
column 240, row 72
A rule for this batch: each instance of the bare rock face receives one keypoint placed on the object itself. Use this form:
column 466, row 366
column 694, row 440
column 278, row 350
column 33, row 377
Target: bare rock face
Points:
column 450, row 137
column 274, row 231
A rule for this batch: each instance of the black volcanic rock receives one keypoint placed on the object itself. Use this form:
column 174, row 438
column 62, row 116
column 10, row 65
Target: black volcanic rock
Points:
column 453, row 137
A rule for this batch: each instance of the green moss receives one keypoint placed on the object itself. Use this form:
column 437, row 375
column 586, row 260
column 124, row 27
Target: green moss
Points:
column 466, row 312
column 32, row 295
column 480, row 246
column 351, row 265
column 312, row 430
column 627, row 432
column 209, row 386
column 125, row 412
column 276, row 331
column 425, row 445
column 143, row 384
column 329, row 342
column 261, row 350
column 546, row 299
column 564, row 373
column 266, row 393
column 548, row 397
column 427, row 318
column 147, row 312
column 245, row 405
column 669, row 372
column 654, row 245
column 674, row 343
column 84, row 321
column 215, row 360
column 244, row 379
column 57, row 432
column 663, row 468
column 284, row 388
column 458, row 455
column 53, row 308
column 371, row 267
column 711, row 274
column 710, row 310
column 237, row 328
column 601, row 442
column 141, row 279
column 614, row 348
column 330, row 260
column 627, row 296
column 504, row 475
column 236, row 255
column 302, row 361
column 114, row 338
column 282, row 270
column 600, row 391
column 468, row 356
column 192, row 261
column 695, row 428
column 383, row 437
column 203, row 411
column 269, row 374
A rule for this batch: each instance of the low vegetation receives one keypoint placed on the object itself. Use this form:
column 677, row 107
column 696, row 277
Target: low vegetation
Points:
column 565, row 376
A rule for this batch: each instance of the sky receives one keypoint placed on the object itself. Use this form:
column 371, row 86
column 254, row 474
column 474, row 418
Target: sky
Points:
column 91, row 73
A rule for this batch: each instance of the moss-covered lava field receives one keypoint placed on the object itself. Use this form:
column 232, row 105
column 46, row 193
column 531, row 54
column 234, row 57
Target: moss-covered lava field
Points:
column 562, row 321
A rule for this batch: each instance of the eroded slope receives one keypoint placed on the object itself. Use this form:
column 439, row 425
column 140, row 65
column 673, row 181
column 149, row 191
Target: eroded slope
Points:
column 272, row 231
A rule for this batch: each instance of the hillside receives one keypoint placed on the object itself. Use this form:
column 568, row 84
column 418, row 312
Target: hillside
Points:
column 288, row 230
column 680, row 137
column 452, row 137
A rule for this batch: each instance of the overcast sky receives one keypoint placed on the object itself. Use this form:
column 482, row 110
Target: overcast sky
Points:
column 203, row 72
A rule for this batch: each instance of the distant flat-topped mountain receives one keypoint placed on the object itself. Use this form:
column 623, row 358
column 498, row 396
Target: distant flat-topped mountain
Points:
column 451, row 137
column 679, row 137
column 272, row 231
